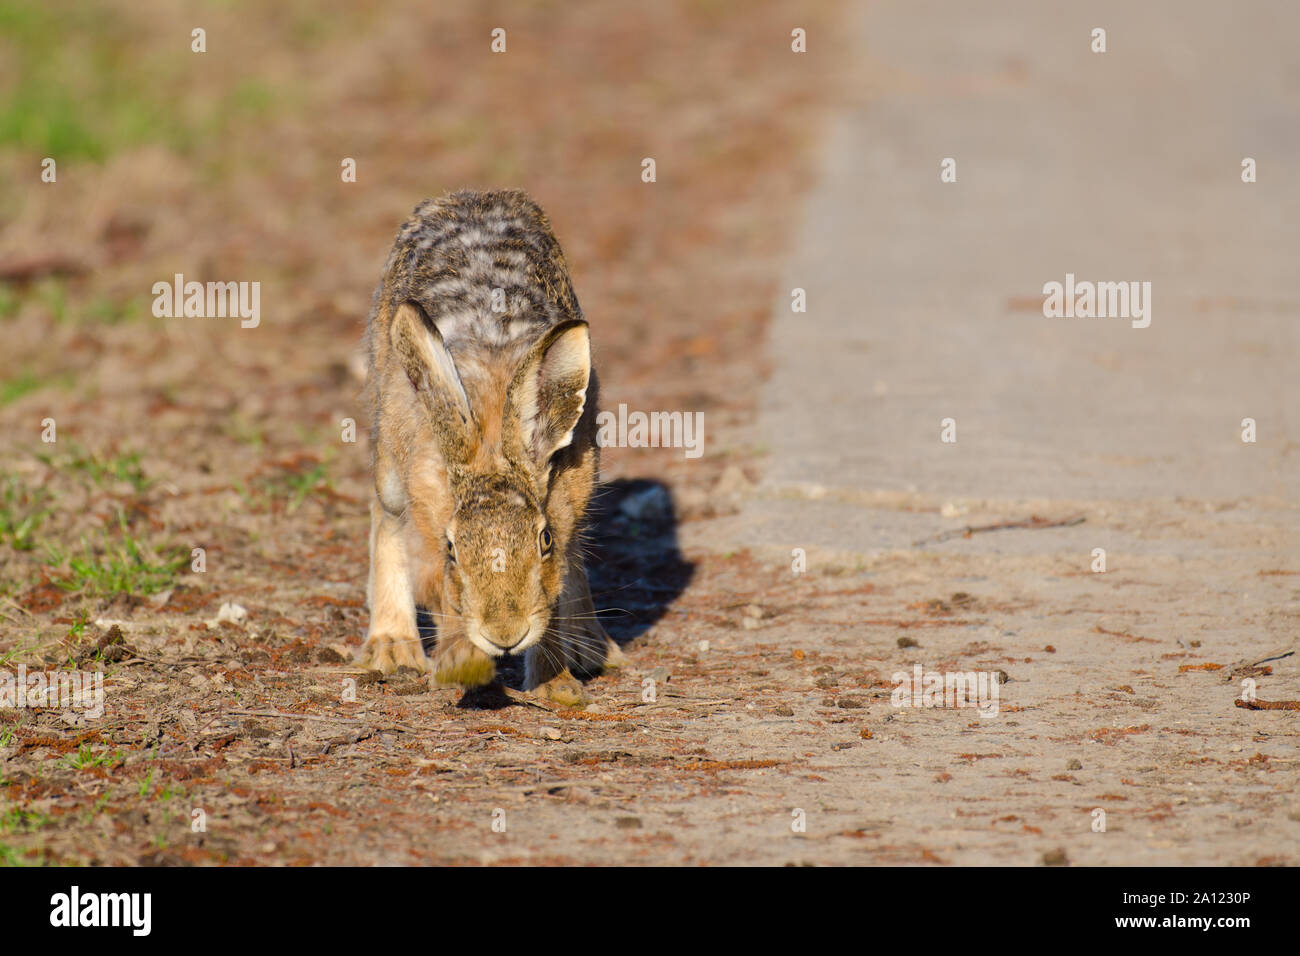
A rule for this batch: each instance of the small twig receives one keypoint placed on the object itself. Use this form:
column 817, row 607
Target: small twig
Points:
column 1033, row 523
column 1258, row 704
column 281, row 714
column 10, row 602
column 1275, row 656
column 338, row 720
column 554, row 785
column 528, row 700
column 182, row 662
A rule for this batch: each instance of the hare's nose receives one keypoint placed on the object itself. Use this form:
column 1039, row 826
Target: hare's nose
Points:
column 505, row 636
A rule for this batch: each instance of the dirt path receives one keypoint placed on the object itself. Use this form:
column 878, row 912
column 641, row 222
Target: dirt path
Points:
column 925, row 304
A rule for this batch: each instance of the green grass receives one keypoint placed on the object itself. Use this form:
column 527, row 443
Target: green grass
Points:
column 85, row 87
column 122, row 467
column 18, row 820
column 87, row 757
column 10, row 301
column 294, row 485
column 303, row 483
column 104, row 310
column 102, row 469
column 21, row 512
column 82, row 86
column 53, row 294
column 76, row 631
column 27, row 382
column 165, row 793
column 15, row 388
column 9, row 856
column 12, row 654
column 15, row 820
column 242, row 430
column 126, row 565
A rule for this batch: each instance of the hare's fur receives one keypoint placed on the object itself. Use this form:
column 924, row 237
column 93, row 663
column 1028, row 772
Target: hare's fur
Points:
column 483, row 410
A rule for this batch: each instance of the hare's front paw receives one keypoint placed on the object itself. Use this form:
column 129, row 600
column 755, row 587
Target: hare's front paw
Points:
column 386, row 653
column 462, row 663
column 563, row 689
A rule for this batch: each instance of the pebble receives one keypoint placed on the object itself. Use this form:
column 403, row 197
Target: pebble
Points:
column 234, row 613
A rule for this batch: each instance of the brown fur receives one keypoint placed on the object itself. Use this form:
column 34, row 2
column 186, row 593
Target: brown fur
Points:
column 479, row 373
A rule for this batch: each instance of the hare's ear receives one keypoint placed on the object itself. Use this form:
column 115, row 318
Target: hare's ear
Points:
column 432, row 372
column 549, row 392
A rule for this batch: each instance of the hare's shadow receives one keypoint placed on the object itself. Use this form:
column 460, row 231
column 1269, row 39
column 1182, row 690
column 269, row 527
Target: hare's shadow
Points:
column 634, row 565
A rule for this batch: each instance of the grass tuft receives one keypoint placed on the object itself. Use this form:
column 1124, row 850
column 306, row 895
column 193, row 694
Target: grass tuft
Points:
column 125, row 566
column 22, row 510
column 102, row 469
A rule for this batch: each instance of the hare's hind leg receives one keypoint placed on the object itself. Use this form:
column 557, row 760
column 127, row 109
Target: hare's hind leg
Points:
column 393, row 639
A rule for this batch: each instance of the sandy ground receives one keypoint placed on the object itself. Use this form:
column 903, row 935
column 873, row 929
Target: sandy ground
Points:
column 925, row 304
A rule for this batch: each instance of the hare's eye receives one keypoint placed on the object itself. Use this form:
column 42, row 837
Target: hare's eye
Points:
column 545, row 541
column 451, row 551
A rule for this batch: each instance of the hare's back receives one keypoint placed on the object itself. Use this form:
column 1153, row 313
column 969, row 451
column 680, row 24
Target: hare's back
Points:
column 484, row 266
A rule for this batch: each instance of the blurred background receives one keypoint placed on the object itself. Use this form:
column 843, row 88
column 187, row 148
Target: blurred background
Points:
column 225, row 166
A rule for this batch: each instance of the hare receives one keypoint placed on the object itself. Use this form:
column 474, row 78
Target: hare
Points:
column 483, row 409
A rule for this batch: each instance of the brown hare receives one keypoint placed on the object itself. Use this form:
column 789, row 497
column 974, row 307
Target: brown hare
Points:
column 483, row 410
